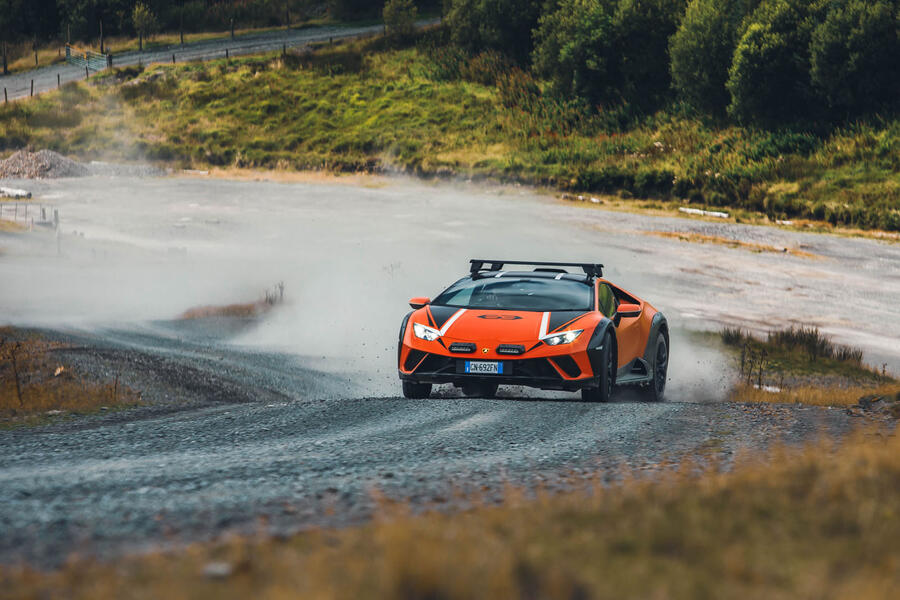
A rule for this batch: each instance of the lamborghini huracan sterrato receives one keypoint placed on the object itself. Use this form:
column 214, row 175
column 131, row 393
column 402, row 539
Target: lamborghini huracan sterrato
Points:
column 547, row 328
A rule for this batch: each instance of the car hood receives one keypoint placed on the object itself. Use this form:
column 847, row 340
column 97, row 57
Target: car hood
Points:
column 472, row 324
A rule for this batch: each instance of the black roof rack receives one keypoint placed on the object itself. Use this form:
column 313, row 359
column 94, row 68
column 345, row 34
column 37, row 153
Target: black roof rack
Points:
column 477, row 264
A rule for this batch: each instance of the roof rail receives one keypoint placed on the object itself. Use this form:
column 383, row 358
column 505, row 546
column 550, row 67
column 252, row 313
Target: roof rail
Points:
column 477, row 264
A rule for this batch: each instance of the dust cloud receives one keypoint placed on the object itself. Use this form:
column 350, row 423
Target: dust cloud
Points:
column 134, row 253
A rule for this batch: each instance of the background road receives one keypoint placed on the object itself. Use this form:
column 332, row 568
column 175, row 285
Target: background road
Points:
column 18, row 85
column 296, row 419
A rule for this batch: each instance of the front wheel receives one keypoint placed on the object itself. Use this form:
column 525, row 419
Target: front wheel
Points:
column 416, row 391
column 655, row 391
column 606, row 377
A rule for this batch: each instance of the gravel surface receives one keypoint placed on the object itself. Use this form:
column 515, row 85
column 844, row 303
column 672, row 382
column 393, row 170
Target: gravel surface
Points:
column 236, row 441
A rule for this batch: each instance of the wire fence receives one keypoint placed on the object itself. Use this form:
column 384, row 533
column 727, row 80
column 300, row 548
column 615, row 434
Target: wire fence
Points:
column 30, row 215
column 93, row 61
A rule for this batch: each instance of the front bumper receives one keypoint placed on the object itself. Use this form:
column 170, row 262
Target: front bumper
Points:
column 560, row 372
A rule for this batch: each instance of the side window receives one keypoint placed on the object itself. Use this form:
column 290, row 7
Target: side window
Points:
column 606, row 300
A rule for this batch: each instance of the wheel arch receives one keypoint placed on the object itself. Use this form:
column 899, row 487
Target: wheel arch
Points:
column 658, row 325
column 606, row 325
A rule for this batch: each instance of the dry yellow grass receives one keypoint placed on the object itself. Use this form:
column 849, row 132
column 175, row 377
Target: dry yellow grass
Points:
column 699, row 238
column 33, row 383
column 250, row 309
column 814, row 395
column 819, row 522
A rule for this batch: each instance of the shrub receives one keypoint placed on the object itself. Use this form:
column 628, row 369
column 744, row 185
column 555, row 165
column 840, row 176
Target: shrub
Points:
column 855, row 57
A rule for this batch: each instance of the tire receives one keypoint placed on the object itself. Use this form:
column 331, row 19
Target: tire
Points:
column 655, row 391
column 606, row 378
column 416, row 391
column 480, row 390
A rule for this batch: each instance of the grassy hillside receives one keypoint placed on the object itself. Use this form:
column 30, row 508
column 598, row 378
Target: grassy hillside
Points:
column 433, row 111
column 817, row 523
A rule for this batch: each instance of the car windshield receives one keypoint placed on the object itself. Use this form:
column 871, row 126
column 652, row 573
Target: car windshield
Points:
column 517, row 293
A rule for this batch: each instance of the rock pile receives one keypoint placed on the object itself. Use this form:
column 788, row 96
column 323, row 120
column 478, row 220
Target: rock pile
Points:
column 44, row 164
column 887, row 407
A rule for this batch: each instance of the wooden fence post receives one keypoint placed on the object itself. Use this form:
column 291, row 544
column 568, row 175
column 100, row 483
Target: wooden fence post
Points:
column 57, row 81
column 226, row 54
column 173, row 59
column 32, row 87
column 5, row 97
column 87, row 73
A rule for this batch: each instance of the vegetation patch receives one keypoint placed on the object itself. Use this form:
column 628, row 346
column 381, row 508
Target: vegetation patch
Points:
column 246, row 310
column 699, row 238
column 801, row 365
column 35, row 385
column 430, row 109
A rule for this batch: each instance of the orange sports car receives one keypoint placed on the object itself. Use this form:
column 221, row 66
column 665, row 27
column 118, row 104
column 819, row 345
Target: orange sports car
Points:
column 546, row 328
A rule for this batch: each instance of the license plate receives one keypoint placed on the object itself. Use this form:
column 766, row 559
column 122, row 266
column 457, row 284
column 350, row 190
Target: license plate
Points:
column 484, row 367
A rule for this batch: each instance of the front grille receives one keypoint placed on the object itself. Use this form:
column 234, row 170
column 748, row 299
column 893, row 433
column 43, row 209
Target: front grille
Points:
column 462, row 348
column 510, row 349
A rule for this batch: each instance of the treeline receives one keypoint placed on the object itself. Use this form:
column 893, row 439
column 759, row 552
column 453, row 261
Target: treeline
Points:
column 80, row 20
column 768, row 61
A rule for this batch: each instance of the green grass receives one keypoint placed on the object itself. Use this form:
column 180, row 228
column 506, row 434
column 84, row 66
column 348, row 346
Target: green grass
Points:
column 365, row 107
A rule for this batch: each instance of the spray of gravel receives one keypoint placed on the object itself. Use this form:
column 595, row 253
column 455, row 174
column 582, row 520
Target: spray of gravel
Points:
column 135, row 253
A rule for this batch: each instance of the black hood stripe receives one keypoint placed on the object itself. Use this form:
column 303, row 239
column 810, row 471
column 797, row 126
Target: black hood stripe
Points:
column 441, row 314
column 560, row 319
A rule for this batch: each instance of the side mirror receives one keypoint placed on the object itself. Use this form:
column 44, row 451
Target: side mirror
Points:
column 419, row 302
column 626, row 311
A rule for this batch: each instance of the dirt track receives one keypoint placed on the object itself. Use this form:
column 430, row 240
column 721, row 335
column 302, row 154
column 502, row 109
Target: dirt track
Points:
column 296, row 418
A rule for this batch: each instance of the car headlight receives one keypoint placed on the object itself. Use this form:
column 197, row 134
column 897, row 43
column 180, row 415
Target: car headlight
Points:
column 426, row 333
column 565, row 337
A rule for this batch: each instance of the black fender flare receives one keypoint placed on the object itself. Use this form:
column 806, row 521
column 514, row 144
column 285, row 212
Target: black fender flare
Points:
column 403, row 325
column 658, row 325
column 595, row 345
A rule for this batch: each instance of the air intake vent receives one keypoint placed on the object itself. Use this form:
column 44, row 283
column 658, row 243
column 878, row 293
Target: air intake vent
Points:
column 462, row 348
column 568, row 365
column 510, row 349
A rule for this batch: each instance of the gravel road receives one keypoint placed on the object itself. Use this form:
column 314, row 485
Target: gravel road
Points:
column 294, row 420
column 18, row 85
column 249, row 442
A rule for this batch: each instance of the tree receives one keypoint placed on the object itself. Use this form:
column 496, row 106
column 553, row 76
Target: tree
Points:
column 642, row 29
column 701, row 50
column 606, row 51
column 144, row 22
column 769, row 77
column 855, row 57
column 400, row 18
column 574, row 50
column 504, row 25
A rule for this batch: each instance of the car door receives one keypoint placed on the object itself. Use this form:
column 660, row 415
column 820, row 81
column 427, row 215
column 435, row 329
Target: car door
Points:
column 628, row 330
